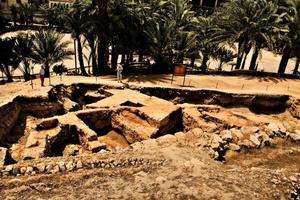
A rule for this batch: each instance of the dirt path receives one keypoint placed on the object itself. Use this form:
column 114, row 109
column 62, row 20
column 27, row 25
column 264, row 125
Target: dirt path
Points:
column 239, row 84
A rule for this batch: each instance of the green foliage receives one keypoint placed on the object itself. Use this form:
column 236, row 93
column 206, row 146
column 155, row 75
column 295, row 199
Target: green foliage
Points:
column 48, row 48
column 59, row 69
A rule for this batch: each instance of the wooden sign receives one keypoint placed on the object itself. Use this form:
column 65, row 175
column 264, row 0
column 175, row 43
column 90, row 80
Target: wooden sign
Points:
column 179, row 70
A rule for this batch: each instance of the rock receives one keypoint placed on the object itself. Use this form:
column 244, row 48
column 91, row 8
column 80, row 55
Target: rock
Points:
column 255, row 140
column 293, row 179
column 137, row 146
column 15, row 181
column 246, row 144
column 79, row 164
column 226, row 135
column 47, row 124
column 41, row 187
column 248, row 130
column 273, row 128
column 149, row 144
column 236, row 135
column 216, row 141
column 41, row 167
column 61, row 166
column 29, row 170
column 23, row 170
column 234, row 147
column 8, row 168
column 198, row 132
column 70, row 166
column 55, row 169
column 16, row 171
column 193, row 134
column 3, row 152
column 167, row 140
column 282, row 129
column 95, row 146
column 16, row 151
column 71, row 150
column 295, row 136
column 113, row 140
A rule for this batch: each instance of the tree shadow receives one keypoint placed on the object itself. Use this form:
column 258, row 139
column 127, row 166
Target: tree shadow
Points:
column 266, row 79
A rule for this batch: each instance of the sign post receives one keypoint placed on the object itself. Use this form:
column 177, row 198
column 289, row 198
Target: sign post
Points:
column 179, row 70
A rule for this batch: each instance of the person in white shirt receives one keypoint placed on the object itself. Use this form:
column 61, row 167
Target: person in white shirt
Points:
column 119, row 73
column 42, row 75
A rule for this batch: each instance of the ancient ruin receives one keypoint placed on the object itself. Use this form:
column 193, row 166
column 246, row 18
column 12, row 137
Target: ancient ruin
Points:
column 83, row 119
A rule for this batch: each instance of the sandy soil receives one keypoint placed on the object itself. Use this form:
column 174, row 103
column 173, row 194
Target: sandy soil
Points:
column 187, row 174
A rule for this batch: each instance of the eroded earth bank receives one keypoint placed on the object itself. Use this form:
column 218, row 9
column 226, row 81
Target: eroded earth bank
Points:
column 91, row 141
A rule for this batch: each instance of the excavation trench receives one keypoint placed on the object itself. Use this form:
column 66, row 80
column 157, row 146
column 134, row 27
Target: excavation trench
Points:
column 83, row 118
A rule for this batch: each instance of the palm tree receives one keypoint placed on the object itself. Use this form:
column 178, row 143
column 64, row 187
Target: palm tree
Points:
column 291, row 43
column 101, row 15
column 224, row 55
column 74, row 22
column 48, row 49
column 3, row 21
column 249, row 22
column 26, row 12
column 8, row 59
column 23, row 49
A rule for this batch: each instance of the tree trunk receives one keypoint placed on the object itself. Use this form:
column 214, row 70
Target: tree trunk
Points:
column 220, row 66
column 131, row 56
column 240, row 54
column 296, row 66
column 204, row 64
column 94, row 62
column 193, row 62
column 114, row 57
column 284, row 60
column 80, row 56
column 26, row 71
column 47, row 71
column 254, row 59
column 102, row 35
column 7, row 73
column 141, row 56
column 102, row 47
column 171, row 57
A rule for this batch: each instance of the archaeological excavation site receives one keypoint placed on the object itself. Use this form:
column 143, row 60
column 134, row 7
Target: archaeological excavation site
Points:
column 78, row 126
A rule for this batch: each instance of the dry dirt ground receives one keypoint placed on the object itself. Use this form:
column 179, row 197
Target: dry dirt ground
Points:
column 240, row 84
column 187, row 173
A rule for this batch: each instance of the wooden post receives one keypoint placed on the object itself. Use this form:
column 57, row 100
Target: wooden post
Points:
column 30, row 74
column 75, row 54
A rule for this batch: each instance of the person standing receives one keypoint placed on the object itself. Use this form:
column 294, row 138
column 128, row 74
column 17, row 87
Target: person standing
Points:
column 119, row 73
column 42, row 75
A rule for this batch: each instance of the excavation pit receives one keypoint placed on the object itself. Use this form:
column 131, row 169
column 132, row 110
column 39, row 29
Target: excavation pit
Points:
column 85, row 118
